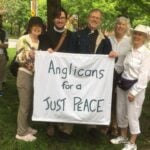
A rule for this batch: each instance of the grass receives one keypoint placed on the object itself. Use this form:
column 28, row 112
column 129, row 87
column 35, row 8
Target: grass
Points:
column 79, row 141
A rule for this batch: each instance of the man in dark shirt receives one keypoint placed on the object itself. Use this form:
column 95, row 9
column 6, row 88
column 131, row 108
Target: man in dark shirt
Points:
column 91, row 40
column 52, row 37
column 58, row 39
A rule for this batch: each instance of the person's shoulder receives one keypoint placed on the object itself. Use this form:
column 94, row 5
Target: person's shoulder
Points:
column 81, row 33
column 83, row 30
column 102, row 35
column 106, row 39
column 127, row 38
column 146, row 49
column 111, row 36
column 145, row 52
column 69, row 32
column 44, row 34
column 50, row 29
column 49, row 32
column 23, row 37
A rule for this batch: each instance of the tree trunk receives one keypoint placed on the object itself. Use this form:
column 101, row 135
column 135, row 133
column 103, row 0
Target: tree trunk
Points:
column 19, row 30
column 51, row 6
column 11, row 28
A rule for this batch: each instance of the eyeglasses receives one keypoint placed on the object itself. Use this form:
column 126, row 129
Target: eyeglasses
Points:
column 61, row 18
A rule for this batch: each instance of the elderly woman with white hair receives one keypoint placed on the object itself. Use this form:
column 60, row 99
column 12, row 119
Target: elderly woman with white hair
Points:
column 121, row 44
column 131, row 89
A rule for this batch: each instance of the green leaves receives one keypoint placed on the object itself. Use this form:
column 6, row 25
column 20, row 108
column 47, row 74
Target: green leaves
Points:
column 137, row 11
column 18, row 11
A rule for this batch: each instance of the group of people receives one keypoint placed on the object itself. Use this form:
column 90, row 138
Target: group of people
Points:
column 126, row 46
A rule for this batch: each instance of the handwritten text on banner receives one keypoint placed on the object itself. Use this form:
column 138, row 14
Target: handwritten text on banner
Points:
column 72, row 88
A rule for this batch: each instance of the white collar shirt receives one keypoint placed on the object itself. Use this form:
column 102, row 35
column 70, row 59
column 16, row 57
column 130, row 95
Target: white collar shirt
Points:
column 137, row 66
column 122, row 47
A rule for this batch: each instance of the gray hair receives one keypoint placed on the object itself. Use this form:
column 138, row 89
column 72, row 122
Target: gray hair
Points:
column 95, row 10
column 124, row 19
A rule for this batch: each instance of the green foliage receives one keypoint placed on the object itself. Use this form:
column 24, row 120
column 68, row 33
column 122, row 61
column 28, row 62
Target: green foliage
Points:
column 138, row 11
column 19, row 11
column 42, row 10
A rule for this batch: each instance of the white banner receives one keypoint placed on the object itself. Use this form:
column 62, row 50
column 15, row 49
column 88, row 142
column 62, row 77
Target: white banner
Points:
column 73, row 88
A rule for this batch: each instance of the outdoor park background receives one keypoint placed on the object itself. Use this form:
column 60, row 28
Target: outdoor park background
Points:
column 18, row 12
